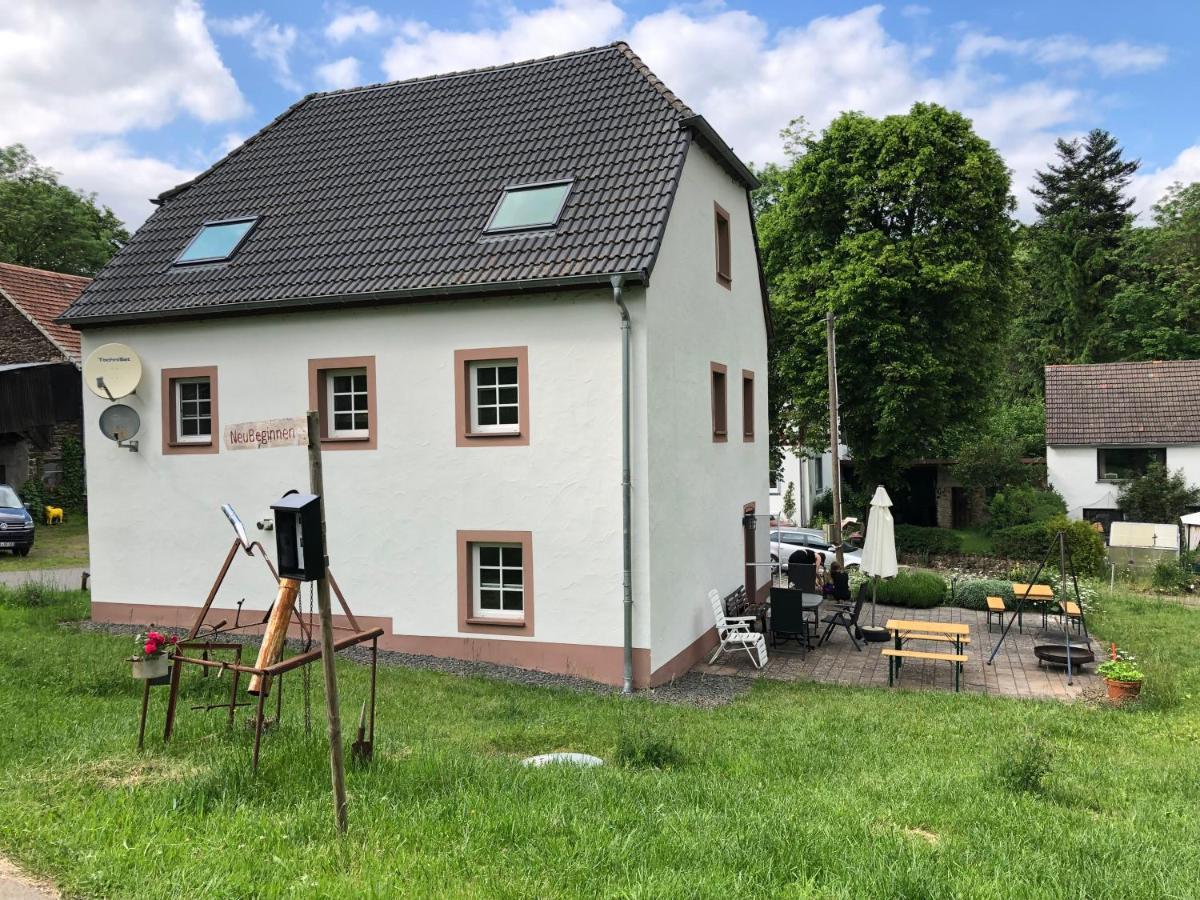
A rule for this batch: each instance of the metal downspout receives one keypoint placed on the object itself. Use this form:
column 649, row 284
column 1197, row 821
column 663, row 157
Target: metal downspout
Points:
column 626, row 484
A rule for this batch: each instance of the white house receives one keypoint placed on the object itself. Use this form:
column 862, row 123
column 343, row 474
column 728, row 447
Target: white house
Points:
column 1105, row 423
column 809, row 478
column 447, row 268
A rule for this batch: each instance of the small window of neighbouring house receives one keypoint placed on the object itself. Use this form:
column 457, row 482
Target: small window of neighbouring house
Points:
column 1122, row 463
column 499, row 580
column 342, row 390
column 747, row 405
column 347, row 402
column 216, row 241
column 193, row 411
column 529, row 206
column 720, row 403
column 724, row 251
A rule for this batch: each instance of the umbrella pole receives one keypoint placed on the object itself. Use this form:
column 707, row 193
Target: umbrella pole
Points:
column 874, row 588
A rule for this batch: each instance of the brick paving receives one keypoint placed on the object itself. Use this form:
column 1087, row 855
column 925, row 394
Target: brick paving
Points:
column 1014, row 673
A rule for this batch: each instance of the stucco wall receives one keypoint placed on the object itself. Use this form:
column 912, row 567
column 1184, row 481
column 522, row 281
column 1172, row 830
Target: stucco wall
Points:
column 158, row 536
column 698, row 487
column 1072, row 472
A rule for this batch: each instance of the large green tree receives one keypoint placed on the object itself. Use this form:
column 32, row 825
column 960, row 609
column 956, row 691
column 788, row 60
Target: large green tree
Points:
column 48, row 225
column 902, row 227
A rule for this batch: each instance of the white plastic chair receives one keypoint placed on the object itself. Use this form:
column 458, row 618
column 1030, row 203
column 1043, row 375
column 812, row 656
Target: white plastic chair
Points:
column 734, row 634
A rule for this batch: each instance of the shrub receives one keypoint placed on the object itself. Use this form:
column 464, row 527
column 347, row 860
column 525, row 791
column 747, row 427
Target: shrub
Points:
column 789, row 501
column 1031, row 542
column 974, row 594
column 822, row 505
column 914, row 540
column 915, row 590
column 1157, row 496
column 641, row 750
column 1171, row 576
column 1021, row 505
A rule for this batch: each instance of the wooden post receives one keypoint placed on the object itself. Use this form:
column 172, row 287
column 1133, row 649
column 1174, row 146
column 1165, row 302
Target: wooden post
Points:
column 831, row 353
column 276, row 634
column 332, row 710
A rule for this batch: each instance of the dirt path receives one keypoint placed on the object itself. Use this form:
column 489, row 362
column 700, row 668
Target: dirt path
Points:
column 16, row 885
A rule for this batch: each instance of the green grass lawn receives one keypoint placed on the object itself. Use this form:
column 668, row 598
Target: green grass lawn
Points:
column 795, row 790
column 54, row 547
column 975, row 541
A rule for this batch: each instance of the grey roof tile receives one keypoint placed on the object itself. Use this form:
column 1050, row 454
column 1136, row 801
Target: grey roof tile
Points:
column 387, row 189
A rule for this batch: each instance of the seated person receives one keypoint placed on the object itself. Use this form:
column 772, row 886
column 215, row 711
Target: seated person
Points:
column 837, row 586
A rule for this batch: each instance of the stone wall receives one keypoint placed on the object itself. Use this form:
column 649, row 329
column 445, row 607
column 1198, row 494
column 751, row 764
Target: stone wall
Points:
column 20, row 339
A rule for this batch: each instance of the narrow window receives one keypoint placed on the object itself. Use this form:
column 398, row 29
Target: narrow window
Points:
column 529, row 206
column 747, row 405
column 495, row 582
column 216, row 241
column 720, row 418
column 499, row 580
column 189, row 410
column 495, row 397
column 491, row 397
column 724, row 265
column 342, row 390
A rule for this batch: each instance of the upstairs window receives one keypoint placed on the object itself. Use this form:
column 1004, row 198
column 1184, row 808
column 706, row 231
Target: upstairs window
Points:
column 189, row 420
column 720, row 403
column 491, row 388
column 747, row 405
column 348, row 404
column 528, row 206
column 724, row 252
column 495, row 397
column 342, row 390
column 1122, row 463
column 216, row 241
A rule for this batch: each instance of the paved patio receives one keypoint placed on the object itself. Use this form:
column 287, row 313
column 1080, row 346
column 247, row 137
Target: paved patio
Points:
column 1014, row 673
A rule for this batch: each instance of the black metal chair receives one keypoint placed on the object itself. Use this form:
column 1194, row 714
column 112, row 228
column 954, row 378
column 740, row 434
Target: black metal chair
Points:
column 802, row 576
column 787, row 617
column 796, row 562
column 846, row 619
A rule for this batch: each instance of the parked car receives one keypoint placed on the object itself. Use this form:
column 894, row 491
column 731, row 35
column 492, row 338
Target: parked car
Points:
column 786, row 541
column 16, row 524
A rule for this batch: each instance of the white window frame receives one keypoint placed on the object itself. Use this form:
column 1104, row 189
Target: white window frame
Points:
column 478, row 586
column 473, row 375
column 331, row 429
column 177, row 388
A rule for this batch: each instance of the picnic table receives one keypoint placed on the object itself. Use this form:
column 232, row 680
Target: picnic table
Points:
column 1041, row 595
column 904, row 630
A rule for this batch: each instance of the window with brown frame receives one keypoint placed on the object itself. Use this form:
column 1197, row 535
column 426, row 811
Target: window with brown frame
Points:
column 720, row 403
column 724, row 252
column 491, row 397
column 189, row 410
column 495, row 582
column 747, row 405
column 342, row 390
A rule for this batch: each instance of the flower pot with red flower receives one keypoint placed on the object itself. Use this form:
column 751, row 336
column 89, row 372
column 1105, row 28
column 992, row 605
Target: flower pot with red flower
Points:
column 1122, row 679
column 153, row 659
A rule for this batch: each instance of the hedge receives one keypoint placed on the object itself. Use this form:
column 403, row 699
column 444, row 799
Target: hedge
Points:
column 1031, row 542
column 915, row 590
column 974, row 594
column 915, row 540
column 1021, row 505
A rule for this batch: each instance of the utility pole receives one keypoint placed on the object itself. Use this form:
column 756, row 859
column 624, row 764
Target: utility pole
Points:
column 337, row 766
column 831, row 353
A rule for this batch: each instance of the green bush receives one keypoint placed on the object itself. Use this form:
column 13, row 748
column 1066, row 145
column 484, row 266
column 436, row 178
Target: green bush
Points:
column 915, row 590
column 1171, row 576
column 1031, row 542
column 1021, row 505
column 974, row 594
column 914, row 540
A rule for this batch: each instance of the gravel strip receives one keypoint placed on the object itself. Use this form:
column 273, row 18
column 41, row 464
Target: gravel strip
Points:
column 691, row 689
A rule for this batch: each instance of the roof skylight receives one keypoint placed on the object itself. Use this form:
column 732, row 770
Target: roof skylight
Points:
column 530, row 206
column 216, row 241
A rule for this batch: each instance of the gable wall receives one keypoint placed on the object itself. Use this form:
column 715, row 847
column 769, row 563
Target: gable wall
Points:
column 20, row 339
column 698, row 487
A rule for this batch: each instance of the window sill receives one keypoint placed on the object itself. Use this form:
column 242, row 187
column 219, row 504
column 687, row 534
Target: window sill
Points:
column 720, row 437
column 725, row 281
column 748, row 438
column 186, row 445
column 504, row 623
column 358, row 442
column 493, row 439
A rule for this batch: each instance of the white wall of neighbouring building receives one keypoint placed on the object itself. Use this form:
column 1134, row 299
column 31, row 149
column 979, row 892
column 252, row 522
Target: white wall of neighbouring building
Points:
column 1072, row 472
column 697, row 487
column 158, row 536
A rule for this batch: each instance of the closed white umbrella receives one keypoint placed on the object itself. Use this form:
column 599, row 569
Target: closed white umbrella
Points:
column 879, row 549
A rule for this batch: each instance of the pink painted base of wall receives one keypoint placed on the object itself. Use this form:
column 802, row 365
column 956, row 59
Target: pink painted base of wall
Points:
column 596, row 663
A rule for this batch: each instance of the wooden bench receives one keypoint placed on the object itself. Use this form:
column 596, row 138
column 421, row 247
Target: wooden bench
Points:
column 921, row 636
column 1072, row 613
column 996, row 608
column 895, row 656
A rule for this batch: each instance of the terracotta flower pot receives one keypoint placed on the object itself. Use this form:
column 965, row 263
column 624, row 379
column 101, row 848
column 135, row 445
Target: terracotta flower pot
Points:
column 1122, row 690
column 151, row 667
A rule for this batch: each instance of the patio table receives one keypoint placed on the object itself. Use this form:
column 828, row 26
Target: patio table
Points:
column 1041, row 595
column 915, row 629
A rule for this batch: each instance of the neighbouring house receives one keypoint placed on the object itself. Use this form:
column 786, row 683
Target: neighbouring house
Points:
column 40, row 403
column 442, row 266
column 1106, row 423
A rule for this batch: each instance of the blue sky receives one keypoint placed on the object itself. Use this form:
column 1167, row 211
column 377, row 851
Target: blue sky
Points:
column 159, row 89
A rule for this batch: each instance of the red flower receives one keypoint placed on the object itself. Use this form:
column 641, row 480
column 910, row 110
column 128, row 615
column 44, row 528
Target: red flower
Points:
column 151, row 648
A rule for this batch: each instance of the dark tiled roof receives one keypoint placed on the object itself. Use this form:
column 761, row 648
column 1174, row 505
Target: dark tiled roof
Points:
column 1114, row 404
column 383, row 191
column 43, row 296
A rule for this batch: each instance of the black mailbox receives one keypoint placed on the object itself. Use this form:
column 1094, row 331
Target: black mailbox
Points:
column 299, row 544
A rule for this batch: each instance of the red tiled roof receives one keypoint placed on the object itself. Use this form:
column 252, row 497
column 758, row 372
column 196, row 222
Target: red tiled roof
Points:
column 44, row 296
column 1124, row 404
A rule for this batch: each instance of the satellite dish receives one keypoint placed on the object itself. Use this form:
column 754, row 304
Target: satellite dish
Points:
column 120, row 422
column 112, row 371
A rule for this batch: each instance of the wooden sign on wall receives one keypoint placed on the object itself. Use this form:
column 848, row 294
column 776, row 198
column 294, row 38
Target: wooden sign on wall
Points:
column 267, row 433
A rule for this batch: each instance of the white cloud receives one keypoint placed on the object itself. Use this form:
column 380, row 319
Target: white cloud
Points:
column 1117, row 58
column 564, row 25
column 1150, row 186
column 362, row 20
column 76, row 76
column 341, row 73
column 915, row 10
column 270, row 42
